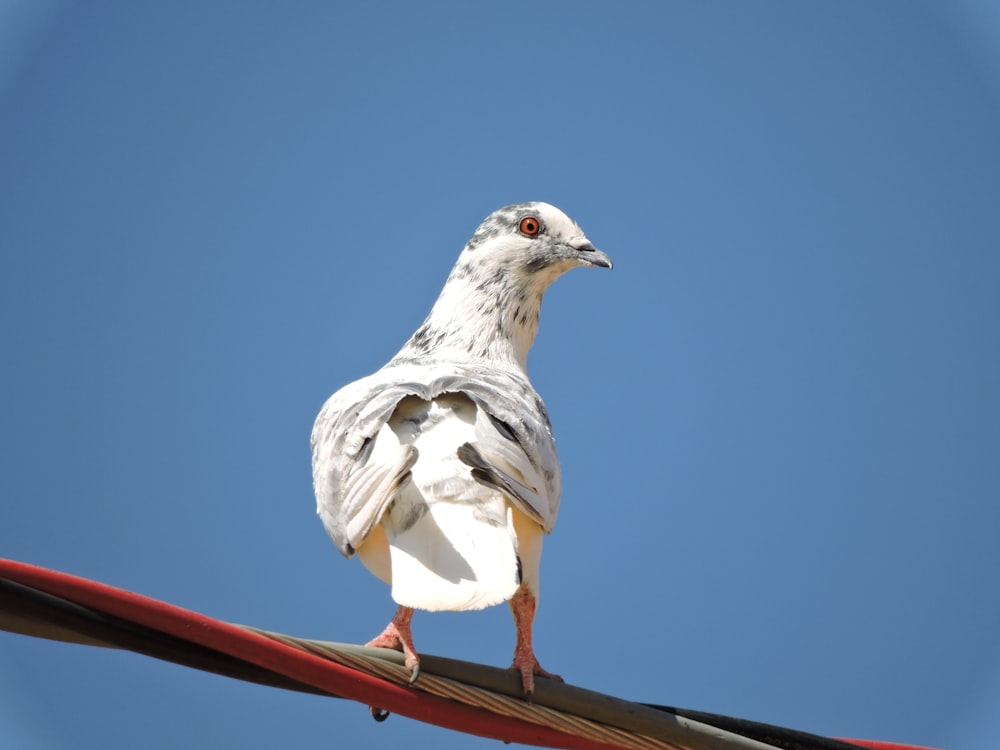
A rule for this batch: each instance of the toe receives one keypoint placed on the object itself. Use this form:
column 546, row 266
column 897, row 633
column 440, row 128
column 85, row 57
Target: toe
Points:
column 414, row 670
column 386, row 640
column 546, row 674
column 529, row 669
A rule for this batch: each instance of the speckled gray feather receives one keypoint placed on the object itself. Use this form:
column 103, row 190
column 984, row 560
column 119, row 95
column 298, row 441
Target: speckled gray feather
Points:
column 356, row 413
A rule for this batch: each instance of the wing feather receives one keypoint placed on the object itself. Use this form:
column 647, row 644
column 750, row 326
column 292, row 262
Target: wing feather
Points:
column 359, row 465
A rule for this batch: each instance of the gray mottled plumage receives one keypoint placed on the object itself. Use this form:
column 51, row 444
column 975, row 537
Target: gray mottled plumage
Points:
column 353, row 492
column 440, row 469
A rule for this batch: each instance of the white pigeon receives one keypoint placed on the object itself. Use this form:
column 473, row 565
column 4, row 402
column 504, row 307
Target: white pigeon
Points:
column 440, row 469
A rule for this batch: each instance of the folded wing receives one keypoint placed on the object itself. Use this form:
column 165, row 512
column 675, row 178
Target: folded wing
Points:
column 359, row 465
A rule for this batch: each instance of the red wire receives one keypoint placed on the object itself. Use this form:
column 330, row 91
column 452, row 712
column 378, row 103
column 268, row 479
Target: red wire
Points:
column 302, row 666
column 283, row 659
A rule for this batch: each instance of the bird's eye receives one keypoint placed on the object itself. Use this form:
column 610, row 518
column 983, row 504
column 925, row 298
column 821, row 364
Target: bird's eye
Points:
column 530, row 226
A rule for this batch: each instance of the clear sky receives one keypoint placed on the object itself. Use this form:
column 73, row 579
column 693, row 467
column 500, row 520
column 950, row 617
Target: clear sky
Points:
column 778, row 417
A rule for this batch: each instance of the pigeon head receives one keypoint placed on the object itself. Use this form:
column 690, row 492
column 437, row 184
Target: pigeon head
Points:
column 489, row 307
column 531, row 239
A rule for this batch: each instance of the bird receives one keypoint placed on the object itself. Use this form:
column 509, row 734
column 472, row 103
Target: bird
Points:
column 439, row 470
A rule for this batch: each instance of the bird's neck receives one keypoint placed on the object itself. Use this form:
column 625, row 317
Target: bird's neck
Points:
column 490, row 321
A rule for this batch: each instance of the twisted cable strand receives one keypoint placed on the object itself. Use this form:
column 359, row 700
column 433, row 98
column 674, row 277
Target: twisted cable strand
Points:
column 475, row 696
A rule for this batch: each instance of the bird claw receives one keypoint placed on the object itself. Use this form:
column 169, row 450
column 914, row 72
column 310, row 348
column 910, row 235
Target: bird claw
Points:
column 522, row 606
column 398, row 636
column 411, row 657
column 529, row 669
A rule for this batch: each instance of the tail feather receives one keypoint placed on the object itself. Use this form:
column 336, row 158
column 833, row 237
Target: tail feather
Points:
column 452, row 556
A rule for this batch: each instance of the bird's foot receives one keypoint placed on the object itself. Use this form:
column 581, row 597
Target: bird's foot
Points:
column 522, row 606
column 528, row 667
column 398, row 636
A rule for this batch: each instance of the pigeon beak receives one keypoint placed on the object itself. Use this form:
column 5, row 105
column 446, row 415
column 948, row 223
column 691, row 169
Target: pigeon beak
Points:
column 591, row 256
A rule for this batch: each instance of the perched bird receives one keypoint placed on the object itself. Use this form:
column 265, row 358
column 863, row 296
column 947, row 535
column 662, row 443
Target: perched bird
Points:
column 440, row 470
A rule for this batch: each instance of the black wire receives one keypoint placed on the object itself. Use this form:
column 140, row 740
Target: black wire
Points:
column 32, row 612
column 787, row 739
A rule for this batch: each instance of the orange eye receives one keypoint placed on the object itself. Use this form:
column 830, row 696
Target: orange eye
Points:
column 530, row 226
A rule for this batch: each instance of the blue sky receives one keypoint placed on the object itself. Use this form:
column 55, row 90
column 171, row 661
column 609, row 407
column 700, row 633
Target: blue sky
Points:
column 778, row 417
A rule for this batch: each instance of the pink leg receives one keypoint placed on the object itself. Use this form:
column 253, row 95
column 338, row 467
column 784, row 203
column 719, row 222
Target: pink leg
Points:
column 522, row 606
column 398, row 636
